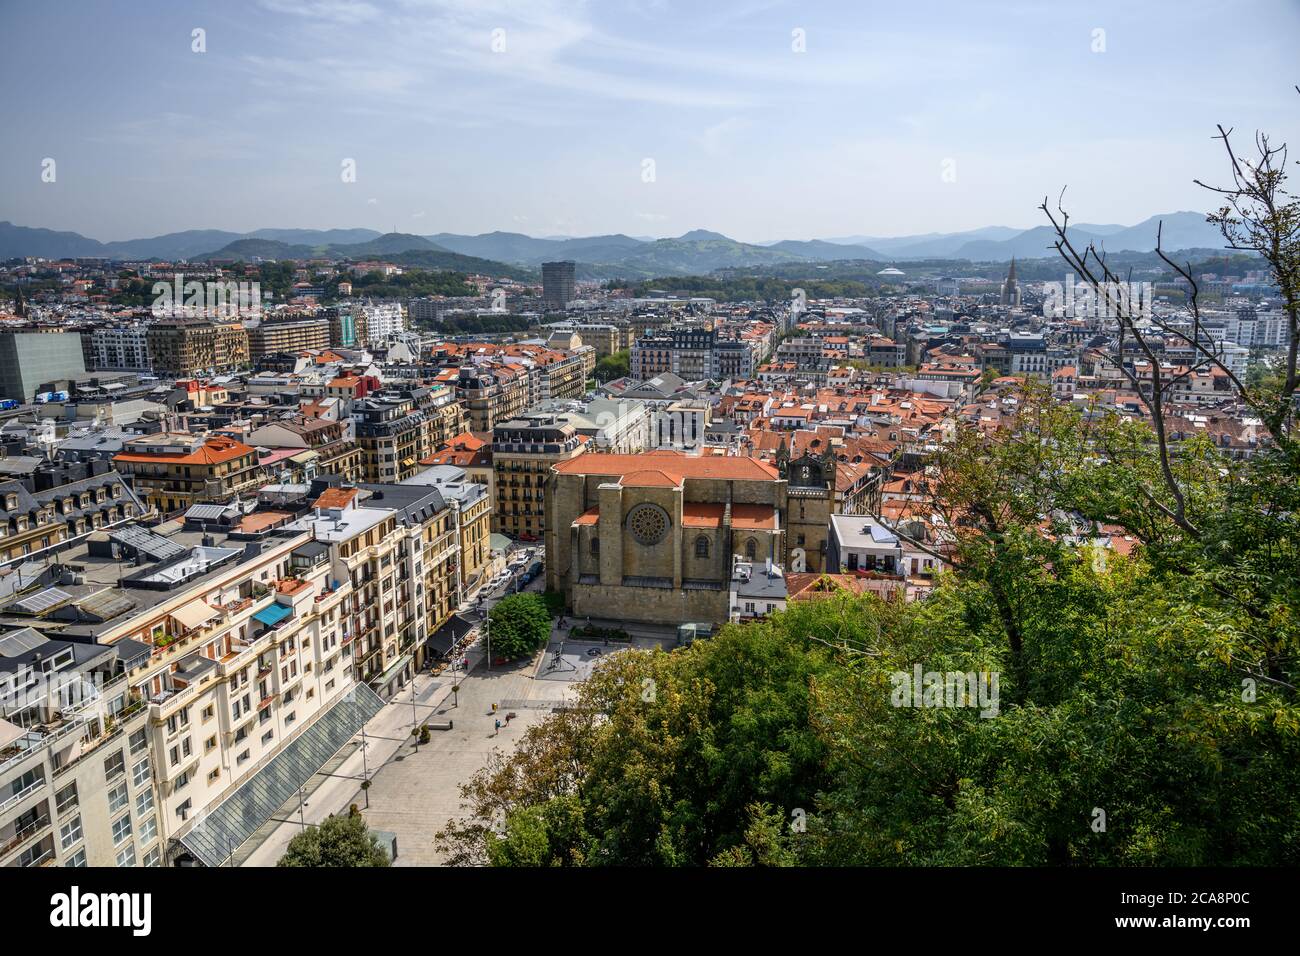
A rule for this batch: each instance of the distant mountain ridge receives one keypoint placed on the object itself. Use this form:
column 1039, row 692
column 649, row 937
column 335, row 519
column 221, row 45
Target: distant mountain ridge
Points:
column 608, row 256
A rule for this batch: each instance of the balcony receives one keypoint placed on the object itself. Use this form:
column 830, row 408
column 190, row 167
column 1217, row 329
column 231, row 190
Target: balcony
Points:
column 16, row 798
column 28, row 832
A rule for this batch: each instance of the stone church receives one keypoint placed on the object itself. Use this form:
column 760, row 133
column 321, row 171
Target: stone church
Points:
column 652, row 537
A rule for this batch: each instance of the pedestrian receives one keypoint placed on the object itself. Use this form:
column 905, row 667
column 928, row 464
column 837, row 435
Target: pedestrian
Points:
column 498, row 728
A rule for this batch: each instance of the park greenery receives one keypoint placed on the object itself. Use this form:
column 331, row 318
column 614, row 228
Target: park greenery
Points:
column 411, row 283
column 520, row 624
column 339, row 841
column 616, row 365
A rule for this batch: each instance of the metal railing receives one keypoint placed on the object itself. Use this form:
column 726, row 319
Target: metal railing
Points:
column 22, row 836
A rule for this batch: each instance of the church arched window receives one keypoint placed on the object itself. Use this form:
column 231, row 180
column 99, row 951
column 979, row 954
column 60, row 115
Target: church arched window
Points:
column 701, row 547
column 751, row 549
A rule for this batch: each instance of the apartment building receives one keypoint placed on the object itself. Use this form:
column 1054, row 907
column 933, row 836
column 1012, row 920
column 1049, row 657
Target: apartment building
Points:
column 382, row 322
column 523, row 451
column 696, row 354
column 188, row 689
column 288, row 335
column 429, row 589
column 183, row 348
column 471, row 503
column 172, row 471
column 123, row 349
column 327, row 447
column 557, row 284
column 492, row 393
column 396, row 428
column 33, row 521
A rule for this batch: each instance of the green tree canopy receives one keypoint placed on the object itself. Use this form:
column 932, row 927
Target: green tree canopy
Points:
column 339, row 841
column 520, row 625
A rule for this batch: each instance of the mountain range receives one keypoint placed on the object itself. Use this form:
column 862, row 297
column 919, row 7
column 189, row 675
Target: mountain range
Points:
column 609, row 256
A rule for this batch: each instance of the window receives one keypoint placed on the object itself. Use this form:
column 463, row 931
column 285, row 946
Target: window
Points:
column 153, row 857
column 595, row 547
column 144, row 802
column 118, row 798
column 77, row 859
column 121, row 829
column 114, row 766
column 214, row 774
column 751, row 549
column 182, row 781
column 66, row 799
column 148, row 830
column 127, row 856
column 139, row 741
column 70, row 832
column 183, row 810
column 208, row 712
column 140, row 773
column 701, row 547
column 210, row 744
column 268, row 736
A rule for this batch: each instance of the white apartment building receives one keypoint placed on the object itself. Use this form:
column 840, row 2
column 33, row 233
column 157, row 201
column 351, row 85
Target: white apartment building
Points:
column 383, row 322
column 223, row 671
column 124, row 349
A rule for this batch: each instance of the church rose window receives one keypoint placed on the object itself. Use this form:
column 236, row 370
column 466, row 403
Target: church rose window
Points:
column 648, row 523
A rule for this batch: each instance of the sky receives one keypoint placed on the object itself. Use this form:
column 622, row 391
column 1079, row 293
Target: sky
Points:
column 761, row 120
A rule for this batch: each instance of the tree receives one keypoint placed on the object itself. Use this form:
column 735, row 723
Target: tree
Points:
column 520, row 625
column 617, row 365
column 339, row 841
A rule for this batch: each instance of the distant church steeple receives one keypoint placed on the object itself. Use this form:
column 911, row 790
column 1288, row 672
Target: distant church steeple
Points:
column 1010, row 287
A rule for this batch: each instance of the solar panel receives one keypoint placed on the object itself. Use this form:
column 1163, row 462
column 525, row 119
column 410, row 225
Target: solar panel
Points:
column 106, row 604
column 42, row 601
column 20, row 642
column 206, row 511
column 146, row 542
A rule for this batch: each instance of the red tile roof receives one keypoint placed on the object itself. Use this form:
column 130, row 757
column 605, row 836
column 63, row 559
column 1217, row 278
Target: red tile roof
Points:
column 673, row 464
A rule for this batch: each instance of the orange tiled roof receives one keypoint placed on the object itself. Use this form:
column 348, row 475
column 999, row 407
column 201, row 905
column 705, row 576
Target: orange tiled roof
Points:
column 753, row 517
column 336, row 497
column 702, row 514
column 673, row 464
column 214, row 451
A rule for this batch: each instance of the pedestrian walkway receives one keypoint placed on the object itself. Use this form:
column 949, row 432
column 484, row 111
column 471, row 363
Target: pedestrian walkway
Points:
column 415, row 791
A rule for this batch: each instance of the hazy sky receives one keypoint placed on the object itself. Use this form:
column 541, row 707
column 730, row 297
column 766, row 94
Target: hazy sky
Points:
column 549, row 133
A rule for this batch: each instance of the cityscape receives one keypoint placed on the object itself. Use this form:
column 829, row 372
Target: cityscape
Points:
column 633, row 528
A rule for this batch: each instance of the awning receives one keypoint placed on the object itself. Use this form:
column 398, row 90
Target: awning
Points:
column 392, row 670
column 195, row 614
column 216, row 836
column 273, row 614
column 444, row 638
column 303, row 457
